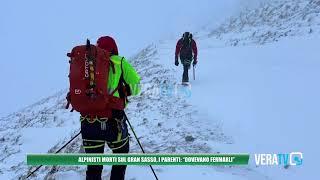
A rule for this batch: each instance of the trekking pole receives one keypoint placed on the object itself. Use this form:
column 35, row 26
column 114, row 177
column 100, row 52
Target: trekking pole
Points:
column 135, row 135
column 55, row 153
column 194, row 72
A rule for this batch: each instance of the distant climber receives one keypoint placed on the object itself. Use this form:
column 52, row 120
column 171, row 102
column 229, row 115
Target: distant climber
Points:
column 187, row 49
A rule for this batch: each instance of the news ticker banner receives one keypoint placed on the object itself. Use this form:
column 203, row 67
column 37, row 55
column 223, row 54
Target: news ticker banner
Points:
column 137, row 159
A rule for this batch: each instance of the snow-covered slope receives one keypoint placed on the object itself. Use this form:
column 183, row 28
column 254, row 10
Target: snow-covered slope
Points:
column 259, row 98
column 272, row 21
column 165, row 122
column 267, row 98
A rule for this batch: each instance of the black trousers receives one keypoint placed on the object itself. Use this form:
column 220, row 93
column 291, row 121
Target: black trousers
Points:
column 186, row 66
column 115, row 133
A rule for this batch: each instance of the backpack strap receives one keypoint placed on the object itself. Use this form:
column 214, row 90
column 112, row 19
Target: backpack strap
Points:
column 112, row 66
column 91, row 60
column 121, row 80
column 123, row 87
column 121, row 76
column 128, row 89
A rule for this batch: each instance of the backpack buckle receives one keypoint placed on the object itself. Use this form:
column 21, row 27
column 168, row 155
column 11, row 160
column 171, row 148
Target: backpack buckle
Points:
column 91, row 119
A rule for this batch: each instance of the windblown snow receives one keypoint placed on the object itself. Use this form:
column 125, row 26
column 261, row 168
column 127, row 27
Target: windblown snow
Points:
column 255, row 91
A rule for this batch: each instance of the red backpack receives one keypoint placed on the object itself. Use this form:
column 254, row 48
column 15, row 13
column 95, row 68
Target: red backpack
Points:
column 88, row 77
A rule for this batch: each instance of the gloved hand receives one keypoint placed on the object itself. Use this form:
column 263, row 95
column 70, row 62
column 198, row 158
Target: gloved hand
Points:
column 194, row 62
column 176, row 62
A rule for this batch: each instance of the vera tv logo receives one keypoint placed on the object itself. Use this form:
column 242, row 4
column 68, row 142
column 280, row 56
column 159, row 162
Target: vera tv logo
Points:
column 293, row 159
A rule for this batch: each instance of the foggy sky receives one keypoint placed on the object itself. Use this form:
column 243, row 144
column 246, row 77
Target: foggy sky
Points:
column 36, row 35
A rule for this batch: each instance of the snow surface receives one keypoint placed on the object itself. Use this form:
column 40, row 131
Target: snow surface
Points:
column 250, row 97
column 267, row 98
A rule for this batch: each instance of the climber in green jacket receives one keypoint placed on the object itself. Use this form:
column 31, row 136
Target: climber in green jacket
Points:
column 130, row 75
column 114, row 130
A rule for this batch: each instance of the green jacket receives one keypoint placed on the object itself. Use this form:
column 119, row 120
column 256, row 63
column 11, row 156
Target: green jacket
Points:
column 130, row 76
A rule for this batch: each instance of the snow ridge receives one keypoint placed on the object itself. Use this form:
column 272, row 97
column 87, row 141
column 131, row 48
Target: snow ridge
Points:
column 270, row 22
